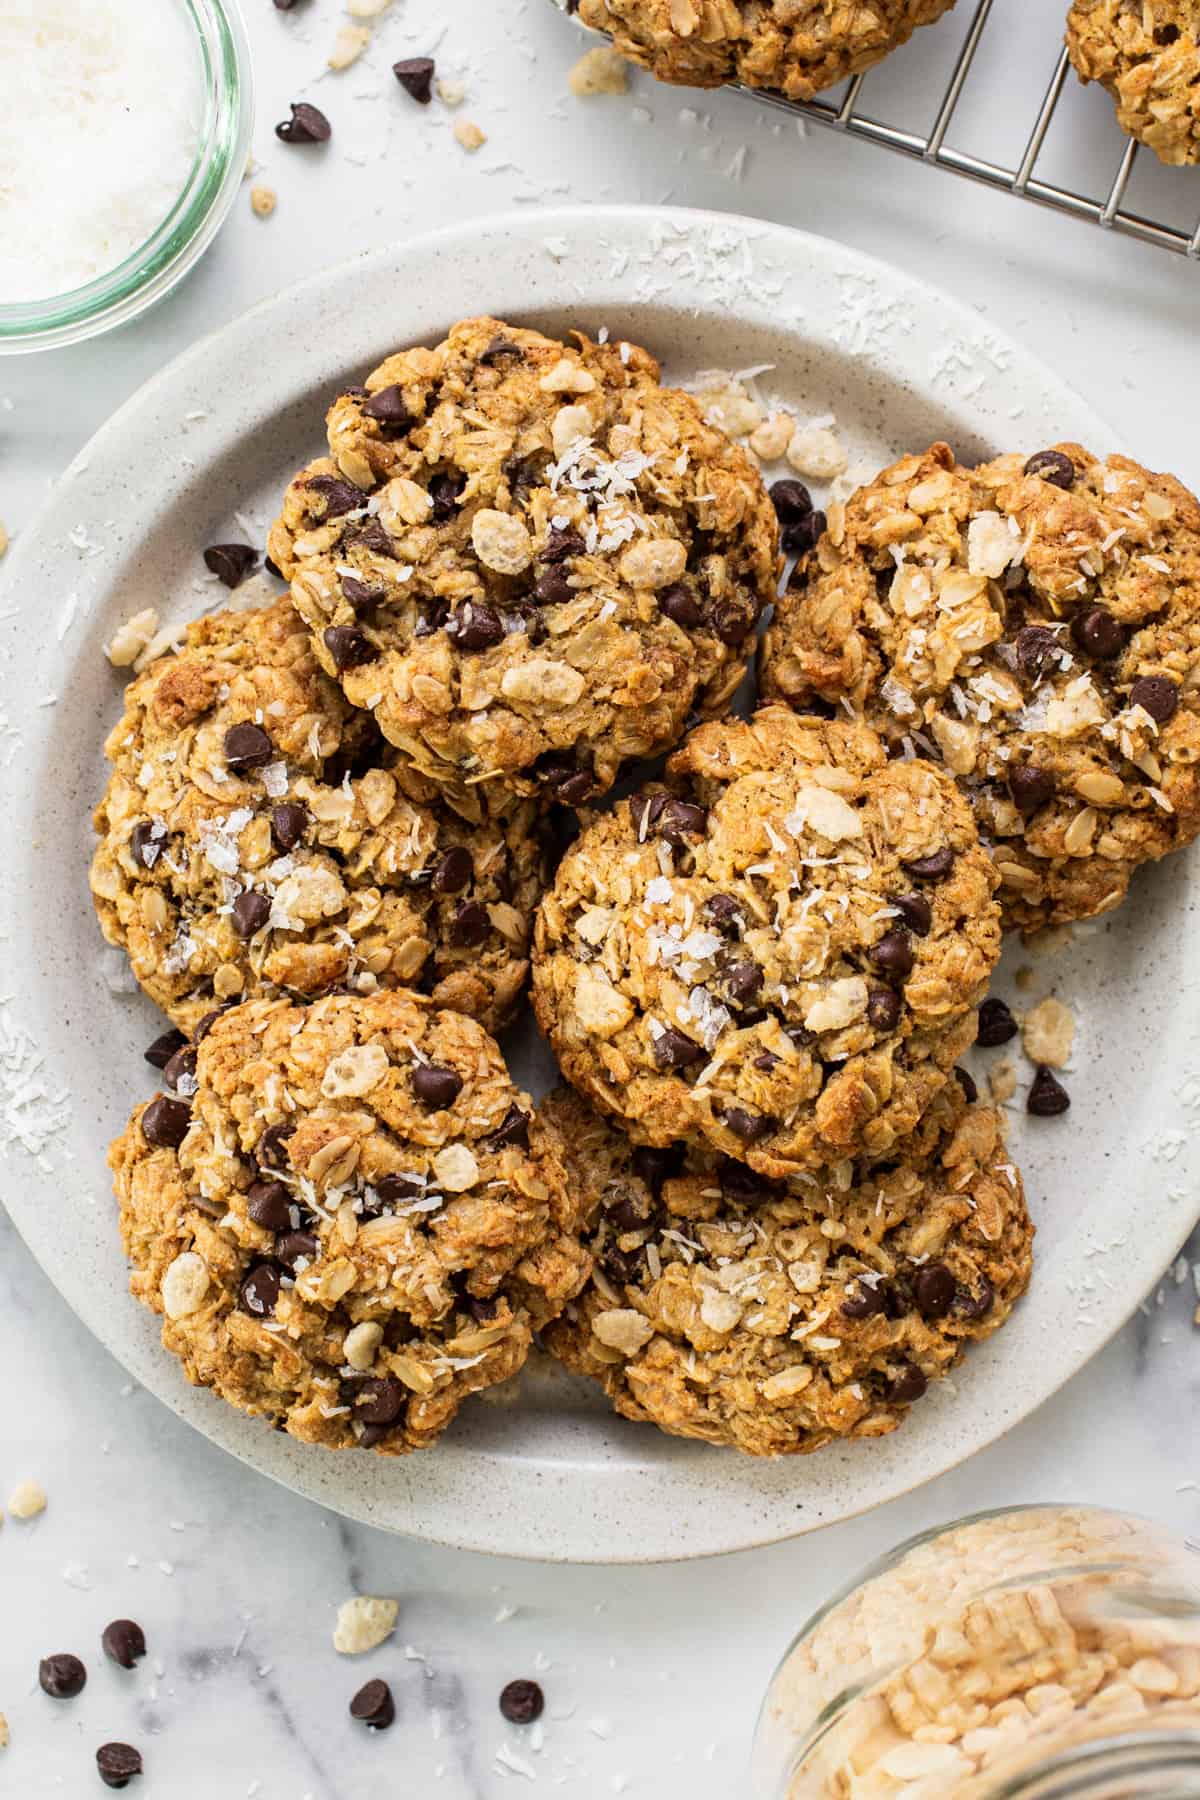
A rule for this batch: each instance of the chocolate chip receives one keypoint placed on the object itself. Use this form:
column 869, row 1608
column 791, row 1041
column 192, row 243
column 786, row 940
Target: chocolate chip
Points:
column 260, row 1290
column 387, row 408
column 522, row 1702
column 208, row 1021
column 645, row 810
column 514, row 1129
column 444, row 491
column 474, row 626
column 123, row 1641
column 371, row 535
column 654, row 1166
column 967, row 1083
column 802, row 534
column 622, row 1266
column 883, row 1008
column 267, row 1203
column 723, row 912
column 415, row 75
column 119, row 1763
column 380, row 1401
column 247, row 746
column 1037, row 649
column 307, row 125
column 679, row 819
column 373, row 1704
column 893, row 953
column 1047, row 1096
column 934, row 867
column 996, row 1024
column 293, row 1245
column 747, row 1126
column 1052, row 466
column 673, row 1050
column 272, row 568
column 271, row 1153
column 1098, row 633
column 62, row 1676
column 498, row 350
column 182, row 1067
column 339, row 496
column 146, row 842
column 741, row 981
column 863, row 1303
column 933, row 1289
column 743, row 1186
column 251, row 911
column 349, row 647
column 732, row 622
column 978, row 1305
column 791, row 500
column 288, row 825
column 453, row 871
column 231, row 562
column 436, row 1086
column 159, row 1053
column 680, row 607
column 552, row 587
column 361, row 595
column 394, row 1188
column 469, row 926
column 561, row 545
column 906, row 1385
column 1030, row 788
column 165, row 1123
column 916, row 912
column 1165, row 35
column 1156, row 695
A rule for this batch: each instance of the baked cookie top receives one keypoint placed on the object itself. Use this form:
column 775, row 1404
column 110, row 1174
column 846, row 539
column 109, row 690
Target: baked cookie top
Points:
column 1146, row 53
column 255, row 836
column 527, row 559
column 797, row 47
column 779, row 953
column 777, row 1317
column 353, row 1222
column 1034, row 624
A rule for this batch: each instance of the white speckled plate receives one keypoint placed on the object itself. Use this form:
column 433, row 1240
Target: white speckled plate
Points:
column 552, row 1474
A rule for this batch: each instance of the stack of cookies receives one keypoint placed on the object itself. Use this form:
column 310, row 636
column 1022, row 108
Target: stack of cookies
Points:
column 770, row 1208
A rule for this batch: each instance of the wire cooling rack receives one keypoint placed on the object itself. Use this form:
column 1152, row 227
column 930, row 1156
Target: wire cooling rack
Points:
column 1105, row 205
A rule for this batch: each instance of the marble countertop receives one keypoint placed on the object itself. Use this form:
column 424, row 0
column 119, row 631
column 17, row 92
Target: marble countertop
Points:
column 652, row 1675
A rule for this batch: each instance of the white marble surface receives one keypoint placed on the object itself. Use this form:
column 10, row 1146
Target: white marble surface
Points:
column 652, row 1675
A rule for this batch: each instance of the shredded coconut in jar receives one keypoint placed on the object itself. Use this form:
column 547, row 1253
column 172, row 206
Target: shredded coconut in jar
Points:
column 98, row 132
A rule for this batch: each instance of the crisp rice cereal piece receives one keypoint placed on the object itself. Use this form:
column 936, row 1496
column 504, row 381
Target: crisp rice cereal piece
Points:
column 598, row 71
column 1048, row 1032
column 363, row 1623
column 27, row 1500
column 470, row 135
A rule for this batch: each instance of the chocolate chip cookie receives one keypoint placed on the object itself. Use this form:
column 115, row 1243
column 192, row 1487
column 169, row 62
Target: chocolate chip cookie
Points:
column 353, row 1222
column 527, row 559
column 256, row 836
column 778, row 952
column 1146, row 54
column 778, row 1317
column 1034, row 625
column 796, row 47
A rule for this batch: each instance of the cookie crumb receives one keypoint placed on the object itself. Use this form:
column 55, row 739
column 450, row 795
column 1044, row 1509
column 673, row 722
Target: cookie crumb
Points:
column 469, row 135
column 1048, row 1032
column 131, row 638
column 348, row 46
column 363, row 1623
column 27, row 1500
column 598, row 71
column 262, row 201
column 1002, row 1082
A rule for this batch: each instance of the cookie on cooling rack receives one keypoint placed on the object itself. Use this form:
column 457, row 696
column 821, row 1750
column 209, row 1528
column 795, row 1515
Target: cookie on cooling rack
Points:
column 353, row 1223
column 253, row 839
column 527, row 559
column 1147, row 57
column 777, row 1318
column 1035, row 625
column 779, row 952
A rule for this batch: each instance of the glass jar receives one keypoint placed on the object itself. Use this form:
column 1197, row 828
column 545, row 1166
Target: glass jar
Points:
column 1040, row 1653
column 209, row 191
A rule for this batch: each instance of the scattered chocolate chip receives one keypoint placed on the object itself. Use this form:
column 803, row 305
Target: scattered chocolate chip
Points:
column 732, row 622
column 62, row 1676
column 474, row 626
column 387, row 408
column 906, row 1385
column 415, row 75
column 444, row 491
column 247, row 746
column 498, row 350
column 563, row 778
column 165, row 1123
column 747, row 1126
column 893, row 953
column 653, row 1167
column 361, row 595
column 1037, row 649
column 791, row 500
column 453, row 871
column 915, row 910
column 883, row 1008
column 159, row 1053
column 552, row 587
column 1098, row 632
column 288, row 825
column 933, row 1289
column 373, row 1704
column 679, row 819
column 119, row 1763
column 271, row 1153
column 1157, row 695
column 934, row 867
column 679, row 606
column 380, row 1401
column 268, row 1204
column 802, row 534
column 996, row 1024
column 349, row 647
column 260, row 1290
column 339, row 496
column 561, row 545
column 1047, row 1096
column 231, row 562
column 181, row 1067
column 307, row 125
column 522, row 1702
column 674, row 1050
column 123, row 1642
column 469, row 926
column 514, row 1129
column 742, row 980
column 967, row 1083
column 723, row 911
column 863, row 1303
column 436, row 1086
column 1052, row 466
column 293, row 1245
column 146, row 841
column 1030, row 788
column 978, row 1305
column 251, row 911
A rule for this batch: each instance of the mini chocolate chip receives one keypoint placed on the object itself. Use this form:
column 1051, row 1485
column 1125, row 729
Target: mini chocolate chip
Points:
column 444, row 491
column 747, row 1126
column 966, row 1082
column 231, row 562
column 723, row 911
column 436, row 1086
column 933, row 1289
column 673, row 1050
column 893, row 953
column 1165, row 35
column 380, row 1401
column 62, row 1676
column 802, row 534
column 293, row 1245
column 514, row 1129
column 561, row 545
column 159, row 1053
column 373, row 1704
column 469, row 926
column 1047, row 1096
column 978, row 1305
column 307, row 125
column 1037, row 648
column 552, row 587
column 906, row 1385
column 260, row 1290
column 415, row 75
column 181, row 1067
column 572, row 789
column 1030, row 788
column 361, row 595
column 391, row 1188
column 453, row 871
column 863, row 1303
column 1098, row 632
column 883, row 1008
column 123, row 1642
column 644, row 812
column 791, row 500
column 271, row 1153
column 251, row 911
column 996, row 1024
column 732, row 622
column 268, row 1204
column 498, row 350
column 371, row 535
column 339, row 496
column 766, row 1060
column 247, row 746
column 474, row 626
column 522, row 1702
column 165, row 1123
column 934, row 867
column 679, row 820
column 680, row 607
column 288, row 825
column 1052, row 466
column 622, row 1266
column 146, row 842
column 742, row 981
column 744, row 1186
column 654, row 1166
column 387, row 408
column 1157, row 695
column 117, row 1764
column 916, row 912
column 349, row 647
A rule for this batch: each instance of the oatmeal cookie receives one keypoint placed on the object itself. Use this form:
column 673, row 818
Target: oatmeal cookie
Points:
column 1146, row 54
column 779, row 953
column 527, row 559
column 353, row 1223
column 777, row 1317
column 255, row 836
column 1035, row 624
column 794, row 47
